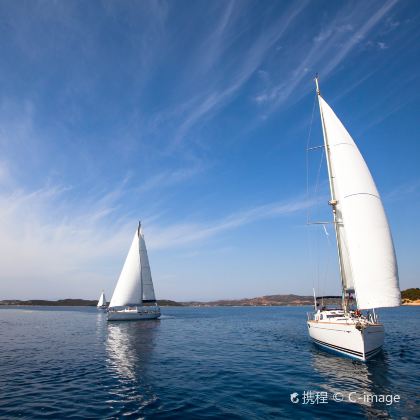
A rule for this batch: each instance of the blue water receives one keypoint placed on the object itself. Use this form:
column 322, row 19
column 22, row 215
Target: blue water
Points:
column 196, row 363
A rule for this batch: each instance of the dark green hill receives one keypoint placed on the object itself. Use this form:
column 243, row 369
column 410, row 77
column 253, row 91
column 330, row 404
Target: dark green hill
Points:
column 411, row 294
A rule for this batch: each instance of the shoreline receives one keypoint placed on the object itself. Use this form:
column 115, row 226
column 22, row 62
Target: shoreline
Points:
column 291, row 300
column 411, row 303
column 165, row 306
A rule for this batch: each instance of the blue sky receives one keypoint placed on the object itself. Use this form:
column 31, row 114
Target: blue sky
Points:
column 194, row 117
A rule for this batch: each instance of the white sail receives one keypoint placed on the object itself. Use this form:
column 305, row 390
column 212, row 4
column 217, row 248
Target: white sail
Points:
column 146, row 275
column 368, row 260
column 128, row 289
column 102, row 300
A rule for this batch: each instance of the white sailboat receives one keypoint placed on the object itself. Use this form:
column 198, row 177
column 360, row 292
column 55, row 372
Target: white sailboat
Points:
column 368, row 266
column 102, row 301
column 134, row 295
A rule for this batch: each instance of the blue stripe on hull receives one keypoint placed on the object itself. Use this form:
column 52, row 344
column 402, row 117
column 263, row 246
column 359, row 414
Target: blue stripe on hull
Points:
column 335, row 351
column 346, row 352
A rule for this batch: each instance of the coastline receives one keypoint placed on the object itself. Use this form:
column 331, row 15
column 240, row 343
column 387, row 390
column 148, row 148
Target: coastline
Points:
column 271, row 300
column 411, row 303
column 262, row 301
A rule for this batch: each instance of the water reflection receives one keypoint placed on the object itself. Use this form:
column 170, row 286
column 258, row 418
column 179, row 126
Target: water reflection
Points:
column 129, row 354
column 355, row 381
column 130, row 346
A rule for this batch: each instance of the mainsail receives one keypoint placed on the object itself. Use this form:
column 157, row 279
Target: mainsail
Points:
column 367, row 257
column 135, row 284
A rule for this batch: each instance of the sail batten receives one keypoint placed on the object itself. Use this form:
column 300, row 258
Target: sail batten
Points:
column 367, row 257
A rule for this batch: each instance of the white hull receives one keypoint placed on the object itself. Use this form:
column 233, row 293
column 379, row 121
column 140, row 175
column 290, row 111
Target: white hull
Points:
column 356, row 338
column 132, row 314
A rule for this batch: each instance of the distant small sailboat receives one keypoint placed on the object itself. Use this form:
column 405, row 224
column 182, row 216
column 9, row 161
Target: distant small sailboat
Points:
column 102, row 301
column 368, row 266
column 134, row 295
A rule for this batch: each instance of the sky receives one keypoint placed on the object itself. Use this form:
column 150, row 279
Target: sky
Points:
column 195, row 116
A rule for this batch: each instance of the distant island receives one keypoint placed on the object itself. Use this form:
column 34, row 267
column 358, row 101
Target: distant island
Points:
column 408, row 297
column 272, row 300
column 69, row 302
column 411, row 296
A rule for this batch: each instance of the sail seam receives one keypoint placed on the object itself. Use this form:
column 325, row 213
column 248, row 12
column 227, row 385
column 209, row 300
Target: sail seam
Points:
column 341, row 144
column 362, row 193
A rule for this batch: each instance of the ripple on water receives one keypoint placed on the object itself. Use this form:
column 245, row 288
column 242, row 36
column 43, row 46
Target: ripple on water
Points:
column 194, row 363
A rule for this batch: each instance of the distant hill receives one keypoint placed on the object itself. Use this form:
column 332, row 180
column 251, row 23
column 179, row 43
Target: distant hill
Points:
column 71, row 302
column 166, row 302
column 270, row 300
column 410, row 296
column 41, row 302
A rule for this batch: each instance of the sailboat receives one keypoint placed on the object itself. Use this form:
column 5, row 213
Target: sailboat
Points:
column 367, row 262
column 134, row 295
column 102, row 301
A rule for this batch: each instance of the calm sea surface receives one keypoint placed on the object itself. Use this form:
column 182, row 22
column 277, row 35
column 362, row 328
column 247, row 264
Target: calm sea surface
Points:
column 197, row 363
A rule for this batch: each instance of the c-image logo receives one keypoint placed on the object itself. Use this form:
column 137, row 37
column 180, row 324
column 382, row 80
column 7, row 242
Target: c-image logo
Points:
column 294, row 397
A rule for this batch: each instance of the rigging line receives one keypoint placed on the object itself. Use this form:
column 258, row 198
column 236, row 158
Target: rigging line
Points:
column 328, row 260
column 307, row 157
column 318, row 175
column 319, row 278
column 308, row 233
column 318, row 266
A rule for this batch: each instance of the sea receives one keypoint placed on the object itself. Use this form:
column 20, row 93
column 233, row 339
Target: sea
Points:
column 199, row 363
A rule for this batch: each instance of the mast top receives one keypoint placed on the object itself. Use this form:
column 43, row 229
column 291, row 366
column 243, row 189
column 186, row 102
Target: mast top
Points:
column 317, row 84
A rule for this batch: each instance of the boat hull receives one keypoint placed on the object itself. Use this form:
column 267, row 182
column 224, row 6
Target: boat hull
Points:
column 137, row 314
column 347, row 339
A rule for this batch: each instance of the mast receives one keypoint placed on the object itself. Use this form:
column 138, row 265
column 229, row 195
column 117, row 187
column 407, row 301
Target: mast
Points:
column 141, row 277
column 333, row 201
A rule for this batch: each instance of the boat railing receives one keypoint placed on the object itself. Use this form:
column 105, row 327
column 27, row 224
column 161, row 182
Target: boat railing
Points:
column 311, row 316
column 373, row 317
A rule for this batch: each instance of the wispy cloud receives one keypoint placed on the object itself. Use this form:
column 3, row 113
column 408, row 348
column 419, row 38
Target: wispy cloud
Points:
column 330, row 47
column 5, row 176
column 188, row 233
column 113, row 92
column 401, row 192
column 227, row 82
column 391, row 102
column 48, row 241
column 359, row 35
column 169, row 178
